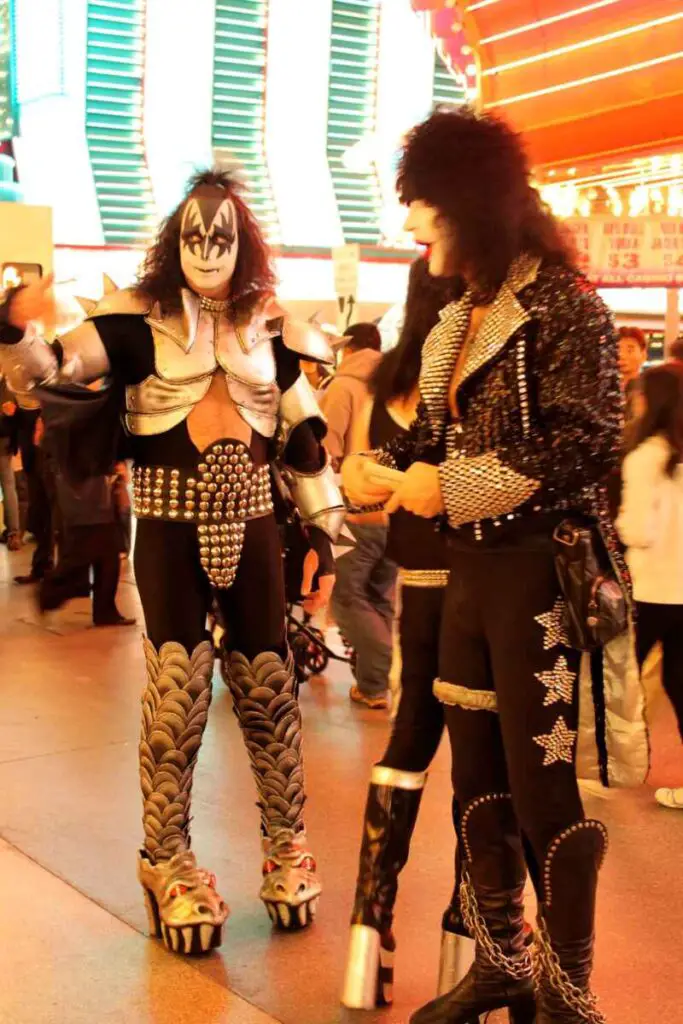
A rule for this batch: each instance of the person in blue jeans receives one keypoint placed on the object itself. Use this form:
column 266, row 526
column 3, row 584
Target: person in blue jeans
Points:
column 363, row 608
column 363, row 596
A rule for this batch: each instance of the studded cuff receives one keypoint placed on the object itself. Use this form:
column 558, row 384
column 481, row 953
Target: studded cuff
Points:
column 482, row 487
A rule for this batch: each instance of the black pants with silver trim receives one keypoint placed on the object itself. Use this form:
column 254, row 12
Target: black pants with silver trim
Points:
column 419, row 723
column 511, row 683
column 176, row 594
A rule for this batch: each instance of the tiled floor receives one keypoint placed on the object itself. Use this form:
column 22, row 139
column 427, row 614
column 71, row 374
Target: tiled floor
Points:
column 71, row 934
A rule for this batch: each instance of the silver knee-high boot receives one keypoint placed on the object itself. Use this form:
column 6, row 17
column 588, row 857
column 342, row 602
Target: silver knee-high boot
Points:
column 182, row 903
column 264, row 692
column 390, row 814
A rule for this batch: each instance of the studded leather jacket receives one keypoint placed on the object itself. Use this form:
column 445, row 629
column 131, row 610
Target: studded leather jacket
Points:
column 540, row 410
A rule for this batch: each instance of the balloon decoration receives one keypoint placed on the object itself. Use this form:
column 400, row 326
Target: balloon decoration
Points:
column 587, row 81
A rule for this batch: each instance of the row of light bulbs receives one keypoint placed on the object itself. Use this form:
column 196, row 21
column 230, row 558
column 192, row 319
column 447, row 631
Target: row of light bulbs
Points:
column 569, row 200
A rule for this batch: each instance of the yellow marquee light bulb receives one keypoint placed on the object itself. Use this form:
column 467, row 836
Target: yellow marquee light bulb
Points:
column 675, row 205
column 639, row 201
column 616, row 203
column 562, row 199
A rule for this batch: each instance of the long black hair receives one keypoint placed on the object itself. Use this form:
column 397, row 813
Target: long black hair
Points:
column 474, row 170
column 662, row 389
column 254, row 279
column 397, row 374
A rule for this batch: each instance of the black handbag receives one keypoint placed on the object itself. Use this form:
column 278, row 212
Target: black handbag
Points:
column 595, row 605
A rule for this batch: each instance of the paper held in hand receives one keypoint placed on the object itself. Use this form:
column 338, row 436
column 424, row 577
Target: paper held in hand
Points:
column 382, row 475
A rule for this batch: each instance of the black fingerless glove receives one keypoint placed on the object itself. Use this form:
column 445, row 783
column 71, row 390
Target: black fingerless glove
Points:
column 322, row 545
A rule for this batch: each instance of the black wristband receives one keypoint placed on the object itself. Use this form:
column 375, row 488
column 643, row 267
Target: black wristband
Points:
column 322, row 545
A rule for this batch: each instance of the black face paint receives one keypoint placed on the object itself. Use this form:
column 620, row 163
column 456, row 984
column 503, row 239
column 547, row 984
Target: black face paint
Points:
column 207, row 226
column 209, row 241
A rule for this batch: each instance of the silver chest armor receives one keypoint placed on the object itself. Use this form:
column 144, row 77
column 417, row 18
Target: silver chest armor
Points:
column 191, row 347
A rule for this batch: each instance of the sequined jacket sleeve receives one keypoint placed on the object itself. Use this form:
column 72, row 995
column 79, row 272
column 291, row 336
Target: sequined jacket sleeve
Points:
column 569, row 411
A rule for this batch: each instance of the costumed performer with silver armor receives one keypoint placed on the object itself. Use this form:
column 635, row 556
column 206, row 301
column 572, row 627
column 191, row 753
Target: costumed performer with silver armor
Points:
column 207, row 373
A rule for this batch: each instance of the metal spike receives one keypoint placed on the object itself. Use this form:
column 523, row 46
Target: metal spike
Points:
column 87, row 305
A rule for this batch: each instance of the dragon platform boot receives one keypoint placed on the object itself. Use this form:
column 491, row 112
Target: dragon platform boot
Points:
column 491, row 896
column 390, row 815
column 565, row 939
column 264, row 693
column 182, row 903
column 457, row 945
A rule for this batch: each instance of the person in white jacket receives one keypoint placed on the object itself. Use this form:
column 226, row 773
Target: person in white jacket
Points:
column 651, row 525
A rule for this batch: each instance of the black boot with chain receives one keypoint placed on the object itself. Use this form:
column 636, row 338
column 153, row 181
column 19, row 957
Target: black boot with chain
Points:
column 457, row 945
column 492, row 898
column 565, row 936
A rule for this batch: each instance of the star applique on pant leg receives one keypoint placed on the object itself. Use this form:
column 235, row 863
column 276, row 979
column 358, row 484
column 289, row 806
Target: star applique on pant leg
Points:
column 559, row 683
column 553, row 626
column 558, row 744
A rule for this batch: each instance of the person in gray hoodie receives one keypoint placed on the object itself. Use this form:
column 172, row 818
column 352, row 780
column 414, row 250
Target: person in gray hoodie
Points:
column 363, row 597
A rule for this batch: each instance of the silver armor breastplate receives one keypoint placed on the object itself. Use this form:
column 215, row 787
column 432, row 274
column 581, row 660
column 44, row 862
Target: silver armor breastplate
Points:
column 191, row 347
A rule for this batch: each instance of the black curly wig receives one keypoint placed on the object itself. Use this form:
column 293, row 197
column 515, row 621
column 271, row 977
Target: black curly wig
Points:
column 162, row 277
column 473, row 169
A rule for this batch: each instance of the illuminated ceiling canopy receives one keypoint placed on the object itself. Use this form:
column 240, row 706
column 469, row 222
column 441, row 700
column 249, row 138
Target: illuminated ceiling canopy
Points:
column 589, row 82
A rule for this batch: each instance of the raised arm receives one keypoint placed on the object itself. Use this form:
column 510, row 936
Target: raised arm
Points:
column 28, row 360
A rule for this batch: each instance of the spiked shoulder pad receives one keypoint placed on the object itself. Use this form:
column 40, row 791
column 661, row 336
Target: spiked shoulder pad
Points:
column 306, row 339
column 125, row 300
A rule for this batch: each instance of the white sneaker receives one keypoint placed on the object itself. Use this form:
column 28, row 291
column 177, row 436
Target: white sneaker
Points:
column 672, row 798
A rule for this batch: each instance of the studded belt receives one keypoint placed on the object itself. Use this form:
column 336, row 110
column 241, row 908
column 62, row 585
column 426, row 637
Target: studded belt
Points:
column 226, row 487
column 224, row 492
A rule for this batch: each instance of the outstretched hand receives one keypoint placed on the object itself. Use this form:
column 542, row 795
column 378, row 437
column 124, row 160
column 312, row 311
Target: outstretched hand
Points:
column 36, row 301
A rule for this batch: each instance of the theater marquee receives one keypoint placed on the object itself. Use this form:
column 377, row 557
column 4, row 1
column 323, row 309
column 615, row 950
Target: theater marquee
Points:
column 643, row 252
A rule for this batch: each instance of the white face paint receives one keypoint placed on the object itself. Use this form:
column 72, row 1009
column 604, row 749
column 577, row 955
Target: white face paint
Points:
column 209, row 244
column 428, row 228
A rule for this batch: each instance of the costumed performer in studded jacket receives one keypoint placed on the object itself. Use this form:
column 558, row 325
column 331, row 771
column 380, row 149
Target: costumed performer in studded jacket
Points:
column 519, row 380
column 213, row 395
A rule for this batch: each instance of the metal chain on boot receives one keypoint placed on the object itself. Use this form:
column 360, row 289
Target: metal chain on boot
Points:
column 551, row 977
column 548, row 971
column 519, row 967
column 182, row 903
column 265, row 698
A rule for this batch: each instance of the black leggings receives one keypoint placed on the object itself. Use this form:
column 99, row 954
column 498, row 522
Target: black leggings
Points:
column 176, row 594
column 514, row 716
column 420, row 720
column 663, row 623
